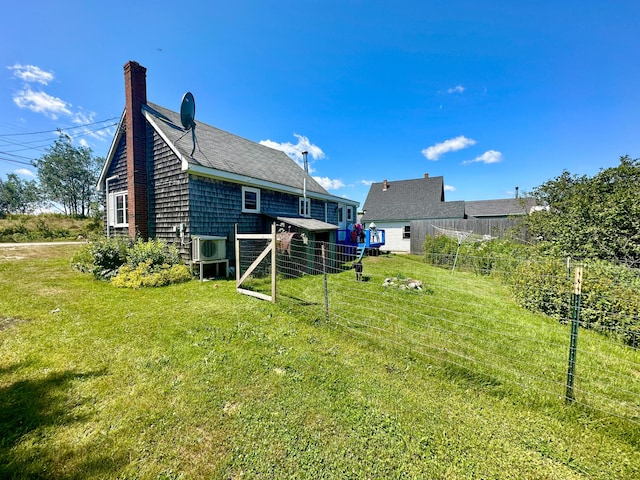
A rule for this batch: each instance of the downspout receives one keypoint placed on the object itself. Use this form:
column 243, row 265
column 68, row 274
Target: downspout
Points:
column 106, row 183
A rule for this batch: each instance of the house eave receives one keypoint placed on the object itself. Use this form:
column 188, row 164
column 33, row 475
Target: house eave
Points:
column 111, row 153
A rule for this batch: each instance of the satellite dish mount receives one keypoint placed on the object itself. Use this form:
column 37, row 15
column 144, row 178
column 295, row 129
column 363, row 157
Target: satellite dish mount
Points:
column 188, row 116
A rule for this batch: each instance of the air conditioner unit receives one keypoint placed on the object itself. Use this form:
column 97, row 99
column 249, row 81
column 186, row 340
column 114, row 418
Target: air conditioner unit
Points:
column 205, row 248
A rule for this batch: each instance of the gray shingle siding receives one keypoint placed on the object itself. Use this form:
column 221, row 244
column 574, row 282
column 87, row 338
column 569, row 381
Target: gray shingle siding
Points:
column 117, row 167
column 168, row 190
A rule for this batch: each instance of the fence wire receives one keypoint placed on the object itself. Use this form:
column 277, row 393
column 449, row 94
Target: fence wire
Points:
column 468, row 326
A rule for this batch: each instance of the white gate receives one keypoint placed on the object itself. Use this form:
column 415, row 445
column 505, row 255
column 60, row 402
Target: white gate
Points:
column 270, row 248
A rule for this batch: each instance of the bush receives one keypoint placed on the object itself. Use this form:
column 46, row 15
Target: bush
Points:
column 102, row 258
column 142, row 264
column 155, row 252
column 147, row 275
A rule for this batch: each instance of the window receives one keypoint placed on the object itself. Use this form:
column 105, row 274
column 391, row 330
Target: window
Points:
column 117, row 209
column 340, row 214
column 406, row 231
column 304, row 208
column 349, row 214
column 250, row 200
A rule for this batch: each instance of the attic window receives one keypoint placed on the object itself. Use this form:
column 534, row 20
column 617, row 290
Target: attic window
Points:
column 250, row 200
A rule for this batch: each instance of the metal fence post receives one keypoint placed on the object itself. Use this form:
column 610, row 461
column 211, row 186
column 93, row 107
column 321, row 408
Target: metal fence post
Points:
column 575, row 320
column 326, row 290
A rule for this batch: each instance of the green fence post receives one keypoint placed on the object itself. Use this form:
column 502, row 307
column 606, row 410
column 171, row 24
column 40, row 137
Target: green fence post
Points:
column 326, row 289
column 575, row 320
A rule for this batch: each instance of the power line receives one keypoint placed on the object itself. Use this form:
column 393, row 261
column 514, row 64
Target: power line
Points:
column 59, row 129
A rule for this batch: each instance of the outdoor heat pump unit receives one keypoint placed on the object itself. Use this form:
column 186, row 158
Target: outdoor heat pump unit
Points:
column 206, row 248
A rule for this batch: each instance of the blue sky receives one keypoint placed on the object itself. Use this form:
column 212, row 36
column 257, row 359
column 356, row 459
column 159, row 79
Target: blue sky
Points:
column 489, row 94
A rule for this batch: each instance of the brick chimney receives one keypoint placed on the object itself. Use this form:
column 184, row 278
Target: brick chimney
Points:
column 385, row 185
column 135, row 86
column 426, row 175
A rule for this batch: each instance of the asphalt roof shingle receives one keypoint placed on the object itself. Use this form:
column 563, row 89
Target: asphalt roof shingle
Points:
column 421, row 198
column 226, row 152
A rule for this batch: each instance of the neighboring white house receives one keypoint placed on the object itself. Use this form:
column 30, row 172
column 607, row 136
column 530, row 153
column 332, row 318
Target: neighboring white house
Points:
column 393, row 206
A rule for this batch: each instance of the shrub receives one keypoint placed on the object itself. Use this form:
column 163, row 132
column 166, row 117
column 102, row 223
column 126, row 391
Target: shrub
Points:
column 147, row 275
column 154, row 252
column 102, row 258
column 142, row 264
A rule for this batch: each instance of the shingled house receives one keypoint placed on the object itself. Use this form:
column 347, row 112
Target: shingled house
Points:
column 408, row 209
column 163, row 182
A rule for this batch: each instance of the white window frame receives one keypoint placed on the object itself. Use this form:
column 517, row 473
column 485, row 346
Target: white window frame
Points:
column 112, row 209
column 349, row 214
column 256, row 191
column 304, row 207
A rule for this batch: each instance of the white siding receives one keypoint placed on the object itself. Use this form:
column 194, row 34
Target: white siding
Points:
column 393, row 241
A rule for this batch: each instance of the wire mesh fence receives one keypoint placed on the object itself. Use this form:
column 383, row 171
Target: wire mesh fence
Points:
column 467, row 323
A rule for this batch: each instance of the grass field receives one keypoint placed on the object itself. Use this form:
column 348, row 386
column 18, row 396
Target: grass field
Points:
column 197, row 381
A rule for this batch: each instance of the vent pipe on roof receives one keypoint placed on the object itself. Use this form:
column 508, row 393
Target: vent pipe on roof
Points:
column 517, row 192
column 306, row 162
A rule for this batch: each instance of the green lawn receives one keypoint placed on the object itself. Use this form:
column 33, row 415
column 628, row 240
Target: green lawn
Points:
column 197, row 381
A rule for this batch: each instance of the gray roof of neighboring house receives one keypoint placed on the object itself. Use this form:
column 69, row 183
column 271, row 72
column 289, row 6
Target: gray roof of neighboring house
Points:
column 499, row 208
column 421, row 198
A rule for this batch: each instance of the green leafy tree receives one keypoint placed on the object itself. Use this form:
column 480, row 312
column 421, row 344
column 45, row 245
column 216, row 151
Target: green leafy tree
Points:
column 68, row 175
column 592, row 217
column 17, row 195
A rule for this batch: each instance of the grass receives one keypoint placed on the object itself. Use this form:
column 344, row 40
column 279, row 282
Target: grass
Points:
column 197, row 381
column 46, row 227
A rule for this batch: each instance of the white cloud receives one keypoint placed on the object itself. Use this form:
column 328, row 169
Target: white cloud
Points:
column 31, row 73
column 328, row 183
column 490, row 156
column 368, row 183
column 453, row 144
column 456, row 89
column 295, row 151
column 41, row 102
column 25, row 172
column 449, row 188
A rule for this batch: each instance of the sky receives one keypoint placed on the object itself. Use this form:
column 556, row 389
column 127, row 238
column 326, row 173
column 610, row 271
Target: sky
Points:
column 491, row 95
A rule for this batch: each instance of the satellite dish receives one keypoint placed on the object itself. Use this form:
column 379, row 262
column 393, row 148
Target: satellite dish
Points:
column 188, row 111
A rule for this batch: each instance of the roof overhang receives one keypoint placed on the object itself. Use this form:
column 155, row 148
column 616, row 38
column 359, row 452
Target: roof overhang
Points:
column 111, row 154
column 308, row 224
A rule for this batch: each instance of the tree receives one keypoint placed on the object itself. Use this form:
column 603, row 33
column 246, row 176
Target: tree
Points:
column 17, row 195
column 68, row 175
column 591, row 217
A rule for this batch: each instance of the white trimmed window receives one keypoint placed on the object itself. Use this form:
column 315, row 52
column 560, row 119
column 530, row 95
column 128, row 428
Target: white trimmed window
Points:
column 406, row 231
column 250, row 200
column 304, row 207
column 117, row 209
column 349, row 214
